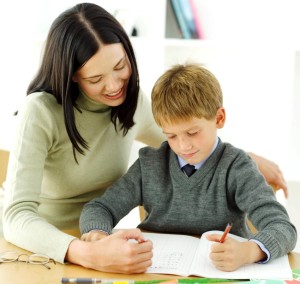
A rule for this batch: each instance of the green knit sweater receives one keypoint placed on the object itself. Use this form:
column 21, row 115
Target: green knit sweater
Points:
column 45, row 188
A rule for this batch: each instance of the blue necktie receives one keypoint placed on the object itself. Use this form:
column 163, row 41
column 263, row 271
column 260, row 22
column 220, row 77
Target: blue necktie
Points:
column 189, row 169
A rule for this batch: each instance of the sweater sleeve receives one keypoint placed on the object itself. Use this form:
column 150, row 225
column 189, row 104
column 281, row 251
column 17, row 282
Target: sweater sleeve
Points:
column 22, row 224
column 148, row 131
column 255, row 197
column 104, row 212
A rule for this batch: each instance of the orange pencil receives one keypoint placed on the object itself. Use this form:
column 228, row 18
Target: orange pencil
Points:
column 228, row 227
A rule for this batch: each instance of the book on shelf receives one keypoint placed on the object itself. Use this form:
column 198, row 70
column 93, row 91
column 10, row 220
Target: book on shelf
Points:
column 188, row 15
column 196, row 18
column 182, row 23
column 189, row 256
column 173, row 29
column 182, row 20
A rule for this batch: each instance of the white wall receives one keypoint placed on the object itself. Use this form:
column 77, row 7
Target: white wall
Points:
column 252, row 52
column 23, row 29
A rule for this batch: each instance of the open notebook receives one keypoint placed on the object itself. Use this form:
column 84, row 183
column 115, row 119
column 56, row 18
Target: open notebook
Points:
column 189, row 256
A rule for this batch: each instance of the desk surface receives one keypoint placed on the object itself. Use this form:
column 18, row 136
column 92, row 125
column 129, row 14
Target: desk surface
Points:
column 38, row 274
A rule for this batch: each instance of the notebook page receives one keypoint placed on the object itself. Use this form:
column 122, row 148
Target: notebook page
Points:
column 172, row 254
column 275, row 269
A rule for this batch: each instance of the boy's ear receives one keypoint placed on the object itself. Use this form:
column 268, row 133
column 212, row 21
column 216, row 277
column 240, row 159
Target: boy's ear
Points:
column 220, row 118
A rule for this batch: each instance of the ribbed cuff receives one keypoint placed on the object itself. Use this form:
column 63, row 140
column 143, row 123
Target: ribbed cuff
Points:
column 269, row 242
column 95, row 226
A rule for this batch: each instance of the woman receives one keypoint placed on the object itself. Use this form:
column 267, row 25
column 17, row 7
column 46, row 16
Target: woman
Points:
column 83, row 111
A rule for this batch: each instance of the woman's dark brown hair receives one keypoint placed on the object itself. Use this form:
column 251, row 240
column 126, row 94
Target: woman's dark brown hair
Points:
column 74, row 37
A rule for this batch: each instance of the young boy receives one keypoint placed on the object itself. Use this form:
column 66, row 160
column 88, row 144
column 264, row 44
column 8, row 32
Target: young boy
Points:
column 225, row 185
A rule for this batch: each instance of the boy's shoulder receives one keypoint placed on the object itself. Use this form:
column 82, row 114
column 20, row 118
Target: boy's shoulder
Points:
column 233, row 154
column 152, row 150
column 154, row 158
column 149, row 151
column 230, row 148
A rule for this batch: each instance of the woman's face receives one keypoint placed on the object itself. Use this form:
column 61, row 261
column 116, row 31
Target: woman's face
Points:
column 104, row 77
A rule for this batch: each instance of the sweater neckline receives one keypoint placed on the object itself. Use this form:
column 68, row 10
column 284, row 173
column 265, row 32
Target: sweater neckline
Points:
column 86, row 103
column 202, row 172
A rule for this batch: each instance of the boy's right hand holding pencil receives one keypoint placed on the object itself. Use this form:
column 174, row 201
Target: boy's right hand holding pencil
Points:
column 228, row 254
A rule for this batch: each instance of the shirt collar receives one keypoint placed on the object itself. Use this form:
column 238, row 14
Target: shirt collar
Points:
column 182, row 162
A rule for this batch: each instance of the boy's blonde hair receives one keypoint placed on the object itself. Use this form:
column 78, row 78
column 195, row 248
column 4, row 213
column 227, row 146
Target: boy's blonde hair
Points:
column 184, row 92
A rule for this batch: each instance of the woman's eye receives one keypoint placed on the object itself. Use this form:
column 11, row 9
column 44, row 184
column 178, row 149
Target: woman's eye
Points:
column 120, row 67
column 95, row 81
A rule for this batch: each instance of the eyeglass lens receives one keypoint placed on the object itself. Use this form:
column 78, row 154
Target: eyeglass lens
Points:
column 32, row 259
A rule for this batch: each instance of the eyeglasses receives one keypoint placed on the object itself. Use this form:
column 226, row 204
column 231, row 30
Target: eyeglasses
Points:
column 10, row 256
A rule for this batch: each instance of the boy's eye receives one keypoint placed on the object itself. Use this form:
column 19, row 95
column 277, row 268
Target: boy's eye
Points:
column 170, row 136
column 193, row 133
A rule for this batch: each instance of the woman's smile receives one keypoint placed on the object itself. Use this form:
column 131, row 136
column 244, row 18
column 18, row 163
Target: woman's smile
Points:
column 115, row 95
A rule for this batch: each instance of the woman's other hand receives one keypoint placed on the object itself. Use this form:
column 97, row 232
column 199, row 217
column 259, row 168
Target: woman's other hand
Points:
column 271, row 172
column 113, row 253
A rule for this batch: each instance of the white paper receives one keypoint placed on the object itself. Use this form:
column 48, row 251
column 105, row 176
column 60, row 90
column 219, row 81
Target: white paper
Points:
column 185, row 255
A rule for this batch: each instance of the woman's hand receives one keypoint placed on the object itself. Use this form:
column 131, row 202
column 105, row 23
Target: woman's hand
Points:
column 271, row 172
column 231, row 254
column 113, row 253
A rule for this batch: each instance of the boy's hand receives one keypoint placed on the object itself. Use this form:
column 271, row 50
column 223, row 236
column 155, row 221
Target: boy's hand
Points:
column 232, row 254
column 93, row 236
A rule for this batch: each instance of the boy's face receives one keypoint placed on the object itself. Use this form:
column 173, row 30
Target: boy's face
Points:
column 193, row 140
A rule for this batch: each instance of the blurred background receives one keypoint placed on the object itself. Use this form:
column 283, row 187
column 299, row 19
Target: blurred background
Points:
column 252, row 46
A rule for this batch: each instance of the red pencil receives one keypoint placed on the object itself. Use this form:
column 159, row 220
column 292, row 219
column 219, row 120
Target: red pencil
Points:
column 228, row 227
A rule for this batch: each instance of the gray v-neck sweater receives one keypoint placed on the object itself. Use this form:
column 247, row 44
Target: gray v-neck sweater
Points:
column 225, row 189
